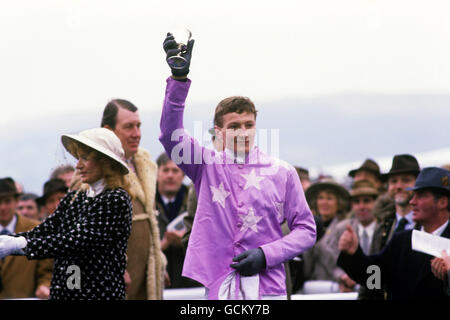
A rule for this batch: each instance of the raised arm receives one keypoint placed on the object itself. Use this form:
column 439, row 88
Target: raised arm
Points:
column 181, row 148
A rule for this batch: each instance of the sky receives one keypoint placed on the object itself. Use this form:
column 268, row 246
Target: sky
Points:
column 70, row 57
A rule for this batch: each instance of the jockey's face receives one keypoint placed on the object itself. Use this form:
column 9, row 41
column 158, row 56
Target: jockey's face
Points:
column 238, row 132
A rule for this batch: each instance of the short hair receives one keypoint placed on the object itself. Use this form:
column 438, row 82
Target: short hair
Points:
column 28, row 196
column 163, row 159
column 232, row 104
column 31, row 196
column 109, row 117
column 61, row 170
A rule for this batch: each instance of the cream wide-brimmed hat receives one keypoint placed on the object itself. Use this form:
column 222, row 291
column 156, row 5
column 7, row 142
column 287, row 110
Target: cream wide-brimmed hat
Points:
column 100, row 139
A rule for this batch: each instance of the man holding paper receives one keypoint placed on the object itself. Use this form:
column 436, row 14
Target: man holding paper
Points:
column 441, row 268
column 406, row 272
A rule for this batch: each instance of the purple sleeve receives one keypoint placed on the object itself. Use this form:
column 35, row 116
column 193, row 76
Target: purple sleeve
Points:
column 300, row 222
column 179, row 146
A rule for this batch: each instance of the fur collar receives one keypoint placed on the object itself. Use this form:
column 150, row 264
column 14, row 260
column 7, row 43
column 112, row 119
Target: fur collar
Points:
column 144, row 187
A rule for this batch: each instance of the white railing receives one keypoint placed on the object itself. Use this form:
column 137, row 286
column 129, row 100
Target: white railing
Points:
column 312, row 291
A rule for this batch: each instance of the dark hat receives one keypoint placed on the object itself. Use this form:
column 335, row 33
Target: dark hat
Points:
column 403, row 163
column 50, row 187
column 363, row 188
column 368, row 165
column 433, row 178
column 340, row 192
column 8, row 188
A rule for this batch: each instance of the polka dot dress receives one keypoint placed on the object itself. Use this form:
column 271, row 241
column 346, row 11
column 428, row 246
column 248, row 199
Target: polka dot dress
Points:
column 88, row 239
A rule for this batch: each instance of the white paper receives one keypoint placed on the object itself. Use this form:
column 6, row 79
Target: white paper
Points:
column 429, row 244
column 177, row 223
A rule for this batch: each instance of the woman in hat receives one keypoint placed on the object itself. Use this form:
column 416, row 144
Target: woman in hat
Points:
column 87, row 235
column 329, row 201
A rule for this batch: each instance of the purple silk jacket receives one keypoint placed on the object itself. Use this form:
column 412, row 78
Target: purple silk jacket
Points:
column 241, row 206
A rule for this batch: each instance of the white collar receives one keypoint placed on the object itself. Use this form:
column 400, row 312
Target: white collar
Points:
column 370, row 229
column 167, row 200
column 96, row 188
column 11, row 225
column 408, row 217
column 240, row 158
column 438, row 231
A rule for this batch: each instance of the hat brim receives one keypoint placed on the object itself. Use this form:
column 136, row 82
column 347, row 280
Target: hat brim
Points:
column 315, row 188
column 342, row 194
column 353, row 172
column 427, row 187
column 10, row 194
column 384, row 177
column 362, row 192
column 67, row 139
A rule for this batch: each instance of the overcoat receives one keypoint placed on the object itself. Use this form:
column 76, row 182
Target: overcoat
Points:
column 21, row 277
column 405, row 273
column 87, row 237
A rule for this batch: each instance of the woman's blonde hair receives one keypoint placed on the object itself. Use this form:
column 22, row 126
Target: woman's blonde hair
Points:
column 112, row 173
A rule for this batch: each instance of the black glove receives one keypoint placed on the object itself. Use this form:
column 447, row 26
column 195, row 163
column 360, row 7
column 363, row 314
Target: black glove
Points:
column 250, row 262
column 171, row 48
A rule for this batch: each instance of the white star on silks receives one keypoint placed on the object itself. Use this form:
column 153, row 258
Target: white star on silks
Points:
column 252, row 180
column 250, row 220
column 219, row 194
column 280, row 210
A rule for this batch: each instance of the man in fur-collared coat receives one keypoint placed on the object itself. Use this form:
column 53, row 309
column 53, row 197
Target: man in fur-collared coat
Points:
column 146, row 263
